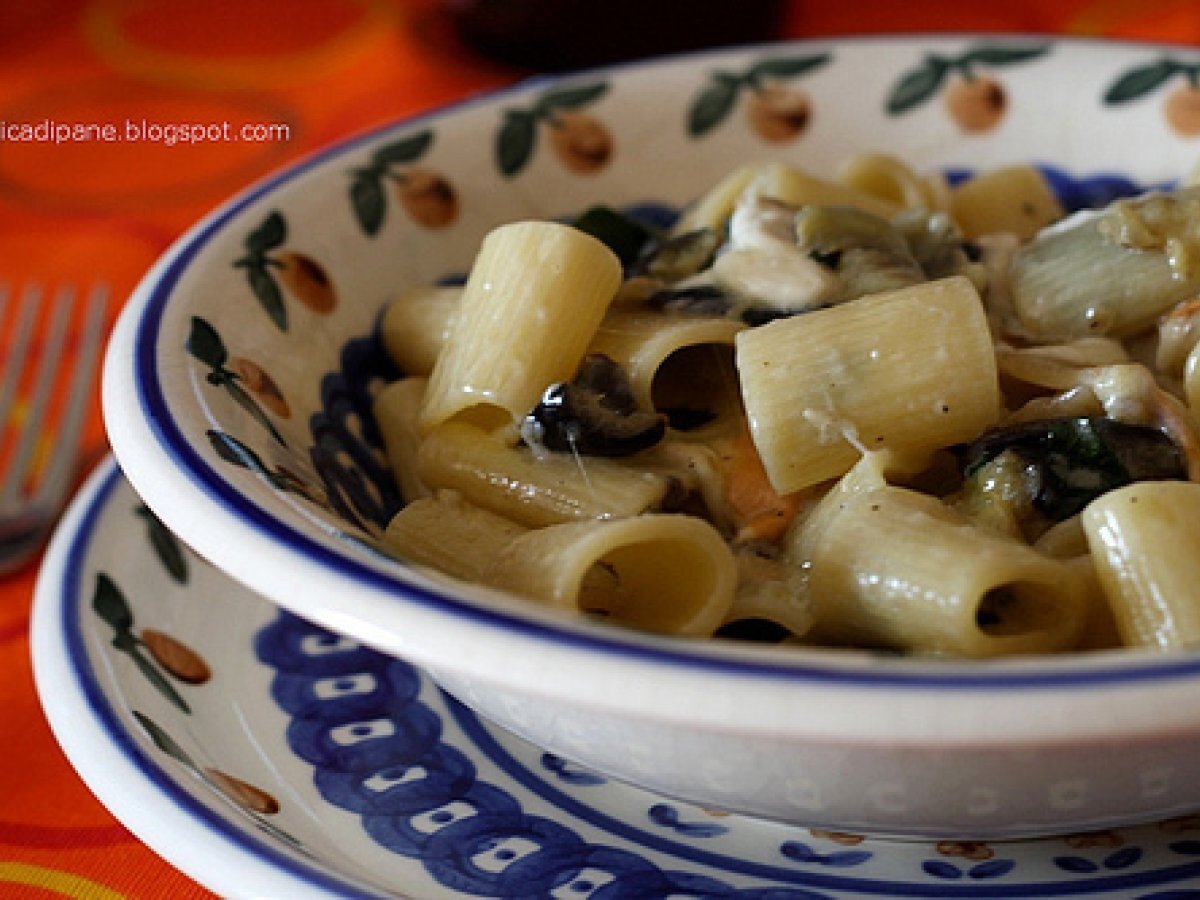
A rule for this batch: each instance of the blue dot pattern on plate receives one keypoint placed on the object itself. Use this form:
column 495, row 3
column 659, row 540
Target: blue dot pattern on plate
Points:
column 370, row 727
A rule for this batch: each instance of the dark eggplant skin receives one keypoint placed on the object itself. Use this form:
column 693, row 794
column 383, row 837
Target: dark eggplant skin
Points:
column 1068, row 462
column 594, row 414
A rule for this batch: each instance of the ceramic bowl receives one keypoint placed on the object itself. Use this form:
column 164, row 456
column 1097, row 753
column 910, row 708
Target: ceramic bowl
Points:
column 277, row 476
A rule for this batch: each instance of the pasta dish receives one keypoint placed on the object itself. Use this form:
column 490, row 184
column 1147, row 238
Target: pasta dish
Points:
column 871, row 410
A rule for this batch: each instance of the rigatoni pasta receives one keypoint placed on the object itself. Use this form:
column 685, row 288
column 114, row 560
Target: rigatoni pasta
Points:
column 871, row 410
column 912, row 370
column 537, row 287
column 1145, row 539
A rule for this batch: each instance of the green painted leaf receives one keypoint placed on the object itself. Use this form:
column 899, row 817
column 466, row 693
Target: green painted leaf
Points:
column 569, row 98
column 270, row 297
column 917, row 85
column 204, row 343
column 1140, row 81
column 162, row 740
column 158, row 680
column 1002, row 56
column 109, row 603
column 515, row 140
column 248, row 403
column 267, row 236
column 405, row 150
column 711, row 107
column 234, row 451
column 787, row 67
column 369, row 200
column 168, row 550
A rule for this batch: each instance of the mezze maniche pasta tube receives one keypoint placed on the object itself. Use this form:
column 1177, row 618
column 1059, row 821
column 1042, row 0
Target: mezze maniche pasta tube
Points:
column 906, row 370
column 535, row 295
column 659, row 572
column 1145, row 541
column 892, row 567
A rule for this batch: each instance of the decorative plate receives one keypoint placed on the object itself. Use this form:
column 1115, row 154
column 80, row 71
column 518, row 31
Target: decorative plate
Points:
column 265, row 756
column 238, row 387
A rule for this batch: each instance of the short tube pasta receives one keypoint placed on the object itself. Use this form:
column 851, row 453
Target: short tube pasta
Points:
column 659, row 572
column 1145, row 542
column 450, row 535
column 908, row 370
column 1011, row 200
column 896, row 568
column 396, row 410
column 415, row 326
column 533, row 490
column 530, row 307
column 644, row 343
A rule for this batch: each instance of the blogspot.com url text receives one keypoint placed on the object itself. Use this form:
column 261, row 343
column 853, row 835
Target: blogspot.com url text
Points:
column 147, row 131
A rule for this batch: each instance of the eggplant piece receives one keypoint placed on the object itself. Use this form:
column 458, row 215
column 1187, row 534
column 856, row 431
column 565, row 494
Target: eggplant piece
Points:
column 623, row 235
column 697, row 300
column 594, row 414
column 868, row 253
column 678, row 257
column 1064, row 464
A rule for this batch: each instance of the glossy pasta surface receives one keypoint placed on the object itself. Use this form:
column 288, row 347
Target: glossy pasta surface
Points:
column 866, row 409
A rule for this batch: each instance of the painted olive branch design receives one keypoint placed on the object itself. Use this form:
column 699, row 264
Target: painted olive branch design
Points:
column 235, row 452
column 109, row 604
column 268, row 236
column 716, row 100
column 368, row 196
column 517, row 137
column 1142, row 80
column 253, row 800
column 919, row 84
column 166, row 547
column 205, row 344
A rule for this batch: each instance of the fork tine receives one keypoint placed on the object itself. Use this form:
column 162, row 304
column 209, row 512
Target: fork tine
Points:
column 58, row 474
column 31, row 428
column 18, row 349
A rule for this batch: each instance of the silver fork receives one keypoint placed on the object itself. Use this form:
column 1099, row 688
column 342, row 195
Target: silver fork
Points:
column 35, row 482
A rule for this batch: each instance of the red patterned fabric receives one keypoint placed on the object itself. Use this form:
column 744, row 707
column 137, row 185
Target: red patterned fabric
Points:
column 316, row 70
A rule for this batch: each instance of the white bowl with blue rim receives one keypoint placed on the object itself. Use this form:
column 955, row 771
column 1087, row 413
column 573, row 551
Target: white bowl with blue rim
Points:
column 286, row 490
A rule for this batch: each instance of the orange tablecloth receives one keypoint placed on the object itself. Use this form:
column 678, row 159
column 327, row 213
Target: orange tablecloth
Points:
column 305, row 72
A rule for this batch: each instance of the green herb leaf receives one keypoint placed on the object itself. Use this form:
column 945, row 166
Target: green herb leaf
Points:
column 1069, row 462
column 515, row 140
column 1140, row 81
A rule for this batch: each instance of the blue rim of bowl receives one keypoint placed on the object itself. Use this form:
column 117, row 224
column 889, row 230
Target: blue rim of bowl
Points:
column 1056, row 673
column 70, row 598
